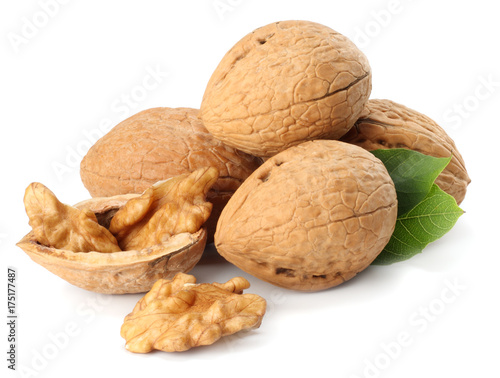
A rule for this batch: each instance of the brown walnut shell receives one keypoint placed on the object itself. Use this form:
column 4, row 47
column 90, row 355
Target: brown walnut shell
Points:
column 386, row 124
column 311, row 217
column 157, row 144
column 285, row 83
column 133, row 271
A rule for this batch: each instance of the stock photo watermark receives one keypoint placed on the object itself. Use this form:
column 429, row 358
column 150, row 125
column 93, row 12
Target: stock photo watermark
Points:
column 32, row 26
column 484, row 89
column 122, row 107
column 418, row 322
column 11, row 318
column 223, row 7
column 60, row 339
column 379, row 20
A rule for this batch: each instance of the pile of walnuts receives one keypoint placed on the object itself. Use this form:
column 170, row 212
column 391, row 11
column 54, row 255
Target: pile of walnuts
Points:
column 295, row 198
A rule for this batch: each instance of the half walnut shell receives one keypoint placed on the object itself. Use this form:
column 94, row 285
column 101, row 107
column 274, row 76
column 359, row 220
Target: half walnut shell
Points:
column 133, row 271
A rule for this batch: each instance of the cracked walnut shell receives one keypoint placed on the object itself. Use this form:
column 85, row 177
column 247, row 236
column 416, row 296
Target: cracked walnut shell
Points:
column 311, row 217
column 386, row 124
column 168, row 236
column 285, row 83
column 177, row 315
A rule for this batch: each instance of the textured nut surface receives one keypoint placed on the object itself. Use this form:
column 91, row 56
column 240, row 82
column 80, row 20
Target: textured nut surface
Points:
column 311, row 217
column 167, row 208
column 132, row 271
column 386, row 124
column 179, row 314
column 285, row 83
column 61, row 226
column 157, row 144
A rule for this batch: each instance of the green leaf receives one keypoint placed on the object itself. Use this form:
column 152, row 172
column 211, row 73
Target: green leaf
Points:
column 413, row 174
column 428, row 221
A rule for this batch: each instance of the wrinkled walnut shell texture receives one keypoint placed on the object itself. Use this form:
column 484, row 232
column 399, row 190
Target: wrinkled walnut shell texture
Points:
column 285, row 83
column 310, row 217
column 157, row 144
column 386, row 124
column 118, row 272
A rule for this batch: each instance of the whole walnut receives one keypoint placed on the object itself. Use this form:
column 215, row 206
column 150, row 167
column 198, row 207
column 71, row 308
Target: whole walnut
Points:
column 311, row 217
column 285, row 83
column 157, row 144
column 386, row 124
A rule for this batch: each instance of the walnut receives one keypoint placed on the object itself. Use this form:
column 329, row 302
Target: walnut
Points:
column 168, row 208
column 160, row 234
column 65, row 227
column 285, row 83
column 387, row 124
column 157, row 144
column 179, row 314
column 311, row 217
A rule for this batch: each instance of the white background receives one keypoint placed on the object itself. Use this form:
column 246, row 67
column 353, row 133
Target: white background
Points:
column 71, row 74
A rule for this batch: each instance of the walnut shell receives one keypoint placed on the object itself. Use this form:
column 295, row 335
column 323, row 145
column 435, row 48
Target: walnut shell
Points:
column 132, row 271
column 311, row 217
column 157, row 144
column 386, row 124
column 285, row 83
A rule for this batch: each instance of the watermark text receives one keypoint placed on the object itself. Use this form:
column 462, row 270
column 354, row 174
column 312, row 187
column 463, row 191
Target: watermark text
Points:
column 33, row 25
column 123, row 106
column 418, row 322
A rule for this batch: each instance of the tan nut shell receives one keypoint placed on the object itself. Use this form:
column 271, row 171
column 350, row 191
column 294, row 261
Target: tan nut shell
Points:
column 310, row 217
column 386, row 124
column 119, row 272
column 157, row 144
column 285, row 83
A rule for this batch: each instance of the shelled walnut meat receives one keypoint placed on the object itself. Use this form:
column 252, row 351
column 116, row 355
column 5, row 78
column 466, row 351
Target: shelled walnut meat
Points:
column 61, row 226
column 311, row 217
column 386, row 124
column 178, row 314
column 123, row 243
column 285, row 83
column 157, row 144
